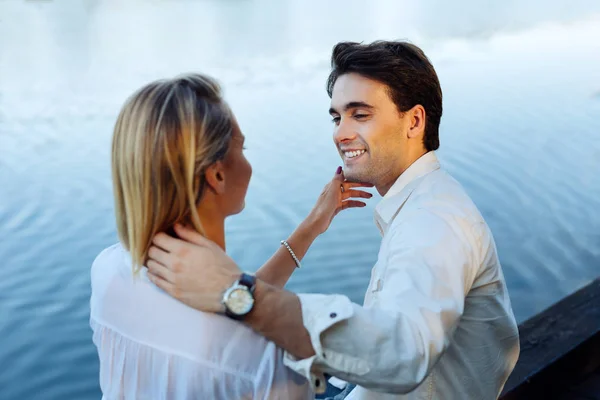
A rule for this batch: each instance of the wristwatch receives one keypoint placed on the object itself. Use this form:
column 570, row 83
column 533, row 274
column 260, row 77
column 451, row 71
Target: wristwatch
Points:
column 239, row 298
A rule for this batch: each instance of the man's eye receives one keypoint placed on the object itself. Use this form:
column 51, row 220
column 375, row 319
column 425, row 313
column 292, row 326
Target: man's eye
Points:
column 360, row 116
column 335, row 120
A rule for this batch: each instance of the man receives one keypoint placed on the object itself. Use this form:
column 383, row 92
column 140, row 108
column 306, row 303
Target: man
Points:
column 436, row 321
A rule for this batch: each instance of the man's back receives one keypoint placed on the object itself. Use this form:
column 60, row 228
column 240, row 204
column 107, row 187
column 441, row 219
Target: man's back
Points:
column 484, row 346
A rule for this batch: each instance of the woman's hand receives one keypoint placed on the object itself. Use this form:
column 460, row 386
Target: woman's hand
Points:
column 337, row 195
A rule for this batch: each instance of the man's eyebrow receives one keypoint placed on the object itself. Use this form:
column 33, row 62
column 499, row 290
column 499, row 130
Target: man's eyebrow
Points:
column 351, row 105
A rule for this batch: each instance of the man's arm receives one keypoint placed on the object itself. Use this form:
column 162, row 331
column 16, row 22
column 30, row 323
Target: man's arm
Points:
column 389, row 348
column 277, row 315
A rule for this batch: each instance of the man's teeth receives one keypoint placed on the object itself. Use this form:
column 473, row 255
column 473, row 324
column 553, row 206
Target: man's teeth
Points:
column 352, row 154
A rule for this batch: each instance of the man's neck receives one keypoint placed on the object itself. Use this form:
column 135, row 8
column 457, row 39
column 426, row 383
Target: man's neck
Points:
column 382, row 189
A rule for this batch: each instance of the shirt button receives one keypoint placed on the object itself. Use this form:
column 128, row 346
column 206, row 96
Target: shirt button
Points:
column 332, row 315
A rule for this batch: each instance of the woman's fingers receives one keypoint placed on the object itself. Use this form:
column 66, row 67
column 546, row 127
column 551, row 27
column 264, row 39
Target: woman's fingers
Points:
column 339, row 175
column 357, row 184
column 355, row 193
column 352, row 204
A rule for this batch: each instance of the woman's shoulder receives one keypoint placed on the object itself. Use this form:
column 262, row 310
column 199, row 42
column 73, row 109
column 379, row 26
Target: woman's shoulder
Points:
column 106, row 260
column 108, row 253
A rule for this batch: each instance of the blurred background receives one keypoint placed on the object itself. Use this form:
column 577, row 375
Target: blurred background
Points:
column 521, row 132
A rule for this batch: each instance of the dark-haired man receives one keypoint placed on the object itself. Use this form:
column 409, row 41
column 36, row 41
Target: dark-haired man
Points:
column 436, row 321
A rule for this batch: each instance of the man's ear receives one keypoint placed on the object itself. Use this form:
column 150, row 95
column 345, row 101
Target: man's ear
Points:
column 215, row 177
column 416, row 116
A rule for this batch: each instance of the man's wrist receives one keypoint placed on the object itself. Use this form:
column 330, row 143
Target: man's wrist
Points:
column 255, row 317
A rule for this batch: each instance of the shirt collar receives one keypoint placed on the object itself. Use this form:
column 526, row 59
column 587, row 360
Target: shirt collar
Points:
column 395, row 198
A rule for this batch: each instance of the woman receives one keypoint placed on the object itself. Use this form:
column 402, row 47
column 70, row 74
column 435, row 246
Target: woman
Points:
column 177, row 157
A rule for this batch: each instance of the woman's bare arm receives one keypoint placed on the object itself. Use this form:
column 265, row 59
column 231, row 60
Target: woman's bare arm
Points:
column 278, row 269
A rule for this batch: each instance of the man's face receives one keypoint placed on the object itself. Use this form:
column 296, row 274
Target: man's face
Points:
column 369, row 131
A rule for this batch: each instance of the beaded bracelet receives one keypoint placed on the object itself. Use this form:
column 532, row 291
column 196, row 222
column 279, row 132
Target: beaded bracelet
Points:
column 287, row 246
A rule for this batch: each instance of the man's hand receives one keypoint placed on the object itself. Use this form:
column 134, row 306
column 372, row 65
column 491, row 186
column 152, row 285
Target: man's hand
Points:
column 194, row 270
column 197, row 272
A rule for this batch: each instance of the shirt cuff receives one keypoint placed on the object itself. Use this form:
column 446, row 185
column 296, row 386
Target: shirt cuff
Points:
column 319, row 313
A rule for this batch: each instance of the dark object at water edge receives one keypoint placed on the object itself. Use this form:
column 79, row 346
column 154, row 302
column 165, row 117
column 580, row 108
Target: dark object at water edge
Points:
column 560, row 351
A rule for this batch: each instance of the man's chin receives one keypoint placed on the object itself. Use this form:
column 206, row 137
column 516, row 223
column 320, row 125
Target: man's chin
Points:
column 353, row 175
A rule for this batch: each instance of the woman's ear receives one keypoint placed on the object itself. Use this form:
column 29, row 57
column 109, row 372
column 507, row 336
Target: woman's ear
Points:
column 215, row 177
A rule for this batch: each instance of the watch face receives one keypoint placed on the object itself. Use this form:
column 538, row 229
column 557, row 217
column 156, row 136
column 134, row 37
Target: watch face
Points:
column 240, row 301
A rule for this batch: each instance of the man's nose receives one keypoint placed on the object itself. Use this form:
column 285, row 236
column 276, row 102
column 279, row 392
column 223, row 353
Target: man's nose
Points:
column 344, row 132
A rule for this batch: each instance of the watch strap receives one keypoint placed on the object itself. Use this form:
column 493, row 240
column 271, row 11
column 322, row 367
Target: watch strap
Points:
column 248, row 280
column 232, row 315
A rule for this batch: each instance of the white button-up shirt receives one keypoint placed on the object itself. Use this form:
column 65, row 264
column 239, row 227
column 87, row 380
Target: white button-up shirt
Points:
column 437, row 321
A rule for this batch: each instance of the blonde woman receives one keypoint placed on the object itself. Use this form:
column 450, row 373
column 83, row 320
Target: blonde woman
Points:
column 177, row 157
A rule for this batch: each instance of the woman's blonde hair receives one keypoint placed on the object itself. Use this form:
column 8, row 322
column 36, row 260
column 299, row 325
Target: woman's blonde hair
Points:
column 165, row 137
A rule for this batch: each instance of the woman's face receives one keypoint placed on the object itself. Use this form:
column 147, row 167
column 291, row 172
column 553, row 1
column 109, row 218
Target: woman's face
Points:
column 237, row 173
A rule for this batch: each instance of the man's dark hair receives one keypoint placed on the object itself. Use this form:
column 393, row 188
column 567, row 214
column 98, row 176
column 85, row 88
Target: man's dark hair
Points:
column 403, row 68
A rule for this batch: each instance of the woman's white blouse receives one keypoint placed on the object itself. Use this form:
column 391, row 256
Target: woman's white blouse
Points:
column 151, row 346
